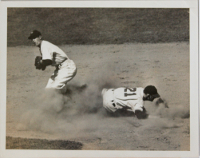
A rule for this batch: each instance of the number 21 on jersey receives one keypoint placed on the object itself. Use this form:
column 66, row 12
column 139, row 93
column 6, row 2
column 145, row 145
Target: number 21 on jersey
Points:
column 129, row 91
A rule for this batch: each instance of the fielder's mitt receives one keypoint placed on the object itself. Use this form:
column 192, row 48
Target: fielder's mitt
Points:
column 38, row 64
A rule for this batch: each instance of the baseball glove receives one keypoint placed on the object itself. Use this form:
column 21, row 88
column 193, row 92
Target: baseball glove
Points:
column 38, row 64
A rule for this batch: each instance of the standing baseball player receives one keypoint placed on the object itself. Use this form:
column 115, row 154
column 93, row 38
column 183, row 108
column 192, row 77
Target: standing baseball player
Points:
column 65, row 68
column 129, row 99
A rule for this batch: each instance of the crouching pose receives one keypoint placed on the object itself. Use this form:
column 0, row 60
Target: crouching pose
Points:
column 65, row 68
column 129, row 99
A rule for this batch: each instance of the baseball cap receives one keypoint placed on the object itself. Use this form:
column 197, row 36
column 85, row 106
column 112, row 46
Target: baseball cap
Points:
column 151, row 90
column 34, row 34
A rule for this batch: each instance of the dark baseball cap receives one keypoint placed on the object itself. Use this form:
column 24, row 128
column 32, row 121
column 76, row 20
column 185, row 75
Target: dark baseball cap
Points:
column 151, row 90
column 34, row 34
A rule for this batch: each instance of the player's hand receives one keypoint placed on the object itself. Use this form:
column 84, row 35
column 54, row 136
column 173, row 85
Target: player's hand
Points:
column 160, row 102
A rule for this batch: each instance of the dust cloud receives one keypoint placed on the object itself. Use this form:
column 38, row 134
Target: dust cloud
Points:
column 80, row 110
column 162, row 115
column 73, row 113
column 160, row 108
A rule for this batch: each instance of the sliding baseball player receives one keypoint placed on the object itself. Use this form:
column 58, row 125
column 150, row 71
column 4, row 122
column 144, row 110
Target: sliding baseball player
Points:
column 130, row 99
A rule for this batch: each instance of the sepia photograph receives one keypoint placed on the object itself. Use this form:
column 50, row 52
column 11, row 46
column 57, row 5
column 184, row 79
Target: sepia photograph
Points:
column 100, row 78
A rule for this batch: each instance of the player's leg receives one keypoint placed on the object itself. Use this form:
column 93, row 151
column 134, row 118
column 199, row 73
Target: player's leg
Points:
column 65, row 73
column 108, row 100
column 49, row 83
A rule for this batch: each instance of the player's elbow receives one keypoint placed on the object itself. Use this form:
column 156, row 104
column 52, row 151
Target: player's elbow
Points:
column 141, row 114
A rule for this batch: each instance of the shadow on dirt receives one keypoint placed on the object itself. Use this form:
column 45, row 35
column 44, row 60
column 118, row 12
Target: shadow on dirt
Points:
column 23, row 143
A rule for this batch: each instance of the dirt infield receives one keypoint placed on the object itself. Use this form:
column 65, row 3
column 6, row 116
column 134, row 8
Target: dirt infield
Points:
column 35, row 114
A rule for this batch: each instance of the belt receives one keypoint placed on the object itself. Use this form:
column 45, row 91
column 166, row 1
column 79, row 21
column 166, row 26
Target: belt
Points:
column 57, row 66
column 63, row 61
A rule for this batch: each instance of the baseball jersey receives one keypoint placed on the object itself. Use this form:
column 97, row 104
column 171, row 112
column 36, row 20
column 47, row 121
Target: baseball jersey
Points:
column 129, row 97
column 52, row 52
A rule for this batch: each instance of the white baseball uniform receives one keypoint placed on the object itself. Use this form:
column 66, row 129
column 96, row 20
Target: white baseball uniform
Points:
column 129, row 98
column 65, row 68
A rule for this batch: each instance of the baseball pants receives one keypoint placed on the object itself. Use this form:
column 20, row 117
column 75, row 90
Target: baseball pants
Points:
column 108, row 99
column 62, row 74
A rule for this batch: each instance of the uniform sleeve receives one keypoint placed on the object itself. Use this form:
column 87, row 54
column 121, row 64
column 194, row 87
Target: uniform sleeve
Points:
column 136, row 106
column 46, row 52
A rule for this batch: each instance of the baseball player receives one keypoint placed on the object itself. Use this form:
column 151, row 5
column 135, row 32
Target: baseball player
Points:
column 129, row 99
column 65, row 68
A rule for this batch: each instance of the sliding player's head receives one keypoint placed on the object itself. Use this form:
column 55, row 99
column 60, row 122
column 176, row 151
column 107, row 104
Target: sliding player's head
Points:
column 150, row 93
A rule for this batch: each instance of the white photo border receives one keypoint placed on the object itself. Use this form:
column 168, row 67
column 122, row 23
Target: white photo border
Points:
column 194, row 133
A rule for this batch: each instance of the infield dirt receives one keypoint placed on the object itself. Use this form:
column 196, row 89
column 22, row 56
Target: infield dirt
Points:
column 35, row 114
